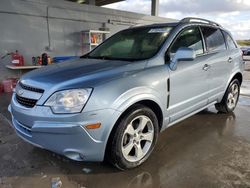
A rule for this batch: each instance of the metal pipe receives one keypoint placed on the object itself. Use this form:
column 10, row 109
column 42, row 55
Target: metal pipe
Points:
column 154, row 7
column 48, row 48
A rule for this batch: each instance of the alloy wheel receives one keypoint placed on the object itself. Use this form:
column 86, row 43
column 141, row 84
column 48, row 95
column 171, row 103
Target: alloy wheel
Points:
column 137, row 138
column 233, row 95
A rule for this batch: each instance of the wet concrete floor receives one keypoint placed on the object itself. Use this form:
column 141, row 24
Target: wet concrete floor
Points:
column 206, row 150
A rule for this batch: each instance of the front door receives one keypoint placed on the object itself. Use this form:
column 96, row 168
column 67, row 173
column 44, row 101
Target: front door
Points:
column 188, row 83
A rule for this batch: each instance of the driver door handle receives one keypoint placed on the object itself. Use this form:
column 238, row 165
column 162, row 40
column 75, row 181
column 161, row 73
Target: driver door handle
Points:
column 206, row 67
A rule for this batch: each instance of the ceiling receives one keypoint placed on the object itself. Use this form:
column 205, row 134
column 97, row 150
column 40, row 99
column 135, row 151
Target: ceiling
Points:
column 97, row 2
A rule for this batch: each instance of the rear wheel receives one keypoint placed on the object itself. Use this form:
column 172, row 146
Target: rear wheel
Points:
column 230, row 99
column 134, row 138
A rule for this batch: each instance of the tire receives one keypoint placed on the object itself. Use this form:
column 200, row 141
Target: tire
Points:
column 230, row 98
column 129, row 136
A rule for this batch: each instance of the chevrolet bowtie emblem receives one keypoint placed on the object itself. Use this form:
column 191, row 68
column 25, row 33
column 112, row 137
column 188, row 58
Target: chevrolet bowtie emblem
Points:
column 20, row 92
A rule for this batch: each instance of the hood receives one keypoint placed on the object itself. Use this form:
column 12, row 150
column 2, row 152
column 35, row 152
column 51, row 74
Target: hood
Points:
column 79, row 73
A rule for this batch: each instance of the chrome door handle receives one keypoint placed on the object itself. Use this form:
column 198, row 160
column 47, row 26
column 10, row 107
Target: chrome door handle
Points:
column 206, row 67
column 230, row 60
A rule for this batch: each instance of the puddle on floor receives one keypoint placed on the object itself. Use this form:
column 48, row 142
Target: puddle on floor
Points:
column 245, row 88
column 244, row 101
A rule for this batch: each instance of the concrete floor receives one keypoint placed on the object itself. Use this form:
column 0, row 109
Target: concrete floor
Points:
column 206, row 150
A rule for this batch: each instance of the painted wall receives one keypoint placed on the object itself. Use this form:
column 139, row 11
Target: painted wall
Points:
column 53, row 26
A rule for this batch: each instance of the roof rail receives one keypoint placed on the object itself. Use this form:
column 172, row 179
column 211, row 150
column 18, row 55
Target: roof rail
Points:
column 201, row 20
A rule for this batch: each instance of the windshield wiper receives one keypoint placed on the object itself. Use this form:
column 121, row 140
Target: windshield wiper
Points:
column 96, row 57
column 110, row 58
column 103, row 57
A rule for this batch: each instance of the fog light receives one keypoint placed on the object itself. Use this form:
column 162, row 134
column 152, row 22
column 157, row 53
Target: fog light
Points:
column 93, row 126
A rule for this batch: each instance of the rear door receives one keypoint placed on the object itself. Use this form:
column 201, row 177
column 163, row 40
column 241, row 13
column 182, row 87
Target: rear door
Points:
column 188, row 84
column 233, row 52
column 217, row 61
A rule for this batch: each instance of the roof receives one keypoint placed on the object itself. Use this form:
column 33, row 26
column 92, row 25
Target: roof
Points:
column 170, row 24
column 97, row 2
column 188, row 20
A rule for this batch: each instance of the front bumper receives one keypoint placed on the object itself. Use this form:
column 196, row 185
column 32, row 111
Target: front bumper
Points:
column 64, row 134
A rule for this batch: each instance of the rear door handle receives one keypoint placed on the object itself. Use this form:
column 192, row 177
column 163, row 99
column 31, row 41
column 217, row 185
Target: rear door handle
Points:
column 206, row 67
column 230, row 60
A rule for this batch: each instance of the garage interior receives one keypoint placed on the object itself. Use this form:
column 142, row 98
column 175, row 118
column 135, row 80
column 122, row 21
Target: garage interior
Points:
column 206, row 150
column 34, row 27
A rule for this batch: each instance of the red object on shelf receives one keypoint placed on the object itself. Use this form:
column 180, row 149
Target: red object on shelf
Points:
column 17, row 59
column 39, row 60
column 1, row 88
column 14, row 82
column 7, row 86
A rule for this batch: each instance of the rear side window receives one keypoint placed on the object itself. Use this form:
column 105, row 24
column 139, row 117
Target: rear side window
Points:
column 230, row 42
column 190, row 38
column 214, row 39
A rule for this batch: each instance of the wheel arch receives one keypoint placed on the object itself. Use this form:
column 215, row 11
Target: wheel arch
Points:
column 155, row 107
column 223, row 105
column 238, row 76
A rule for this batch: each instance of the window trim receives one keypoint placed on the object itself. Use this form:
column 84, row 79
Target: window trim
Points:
column 226, row 33
column 203, row 41
column 180, row 32
column 227, row 47
column 215, row 51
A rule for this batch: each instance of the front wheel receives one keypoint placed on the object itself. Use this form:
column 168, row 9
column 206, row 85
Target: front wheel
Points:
column 230, row 99
column 134, row 138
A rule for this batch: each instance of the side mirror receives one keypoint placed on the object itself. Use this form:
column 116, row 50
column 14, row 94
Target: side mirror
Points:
column 182, row 54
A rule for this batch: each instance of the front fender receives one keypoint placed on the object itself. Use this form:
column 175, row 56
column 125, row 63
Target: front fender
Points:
column 135, row 95
column 119, row 94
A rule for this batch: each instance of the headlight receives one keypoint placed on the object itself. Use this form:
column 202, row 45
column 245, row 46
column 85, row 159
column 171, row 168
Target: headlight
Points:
column 68, row 101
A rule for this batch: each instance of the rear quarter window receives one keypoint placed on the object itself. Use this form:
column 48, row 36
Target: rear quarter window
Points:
column 214, row 39
column 230, row 42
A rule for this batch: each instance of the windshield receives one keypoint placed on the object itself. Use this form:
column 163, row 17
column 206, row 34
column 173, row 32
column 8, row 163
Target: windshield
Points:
column 132, row 44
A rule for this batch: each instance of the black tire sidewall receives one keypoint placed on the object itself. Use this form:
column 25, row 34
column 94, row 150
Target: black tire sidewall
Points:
column 118, row 157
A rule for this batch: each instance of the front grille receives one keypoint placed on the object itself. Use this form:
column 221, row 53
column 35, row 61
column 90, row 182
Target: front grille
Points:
column 29, row 103
column 29, row 88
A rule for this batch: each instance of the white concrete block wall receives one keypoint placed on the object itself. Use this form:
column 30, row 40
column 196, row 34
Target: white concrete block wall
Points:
column 27, row 25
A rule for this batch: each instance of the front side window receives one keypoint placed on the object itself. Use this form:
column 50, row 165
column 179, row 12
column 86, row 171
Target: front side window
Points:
column 230, row 42
column 190, row 38
column 132, row 44
column 214, row 39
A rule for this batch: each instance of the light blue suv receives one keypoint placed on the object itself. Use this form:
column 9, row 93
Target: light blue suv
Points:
column 112, row 102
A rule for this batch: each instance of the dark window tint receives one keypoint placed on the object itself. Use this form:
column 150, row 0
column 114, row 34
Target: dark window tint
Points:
column 230, row 43
column 214, row 39
column 190, row 38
